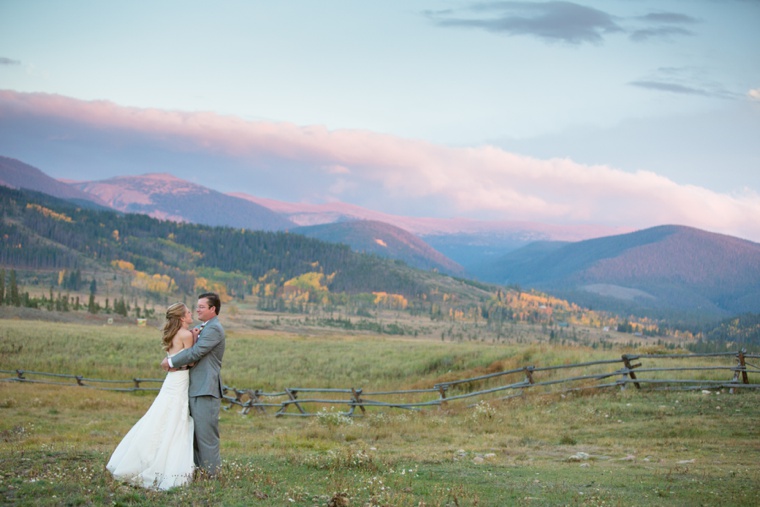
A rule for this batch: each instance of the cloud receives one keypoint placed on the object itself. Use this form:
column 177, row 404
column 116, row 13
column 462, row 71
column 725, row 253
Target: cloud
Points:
column 659, row 26
column 670, row 87
column 561, row 21
column 380, row 171
column 8, row 61
column 662, row 32
column 668, row 17
column 338, row 169
column 685, row 81
column 551, row 21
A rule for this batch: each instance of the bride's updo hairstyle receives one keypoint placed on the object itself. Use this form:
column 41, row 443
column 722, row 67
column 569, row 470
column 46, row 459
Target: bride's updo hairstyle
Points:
column 174, row 315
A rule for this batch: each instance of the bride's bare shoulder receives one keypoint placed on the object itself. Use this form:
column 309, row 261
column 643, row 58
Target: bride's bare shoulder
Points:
column 182, row 340
column 185, row 337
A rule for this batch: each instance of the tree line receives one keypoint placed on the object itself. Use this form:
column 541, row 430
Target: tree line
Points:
column 42, row 232
column 11, row 295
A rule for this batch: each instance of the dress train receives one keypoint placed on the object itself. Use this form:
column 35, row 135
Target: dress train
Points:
column 157, row 453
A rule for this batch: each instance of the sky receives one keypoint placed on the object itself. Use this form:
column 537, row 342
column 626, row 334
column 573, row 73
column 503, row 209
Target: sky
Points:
column 625, row 113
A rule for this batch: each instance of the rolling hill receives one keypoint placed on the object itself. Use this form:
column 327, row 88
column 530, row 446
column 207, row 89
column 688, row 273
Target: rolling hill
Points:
column 45, row 234
column 384, row 240
column 16, row 174
column 658, row 270
column 167, row 197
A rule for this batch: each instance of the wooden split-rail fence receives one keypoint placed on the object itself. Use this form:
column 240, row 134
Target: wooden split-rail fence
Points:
column 662, row 372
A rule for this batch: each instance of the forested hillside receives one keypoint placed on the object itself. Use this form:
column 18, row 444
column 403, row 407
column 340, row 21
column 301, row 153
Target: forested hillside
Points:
column 42, row 232
column 741, row 330
column 284, row 272
column 384, row 240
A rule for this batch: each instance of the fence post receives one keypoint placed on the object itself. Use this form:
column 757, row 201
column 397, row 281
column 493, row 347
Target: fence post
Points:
column 529, row 373
column 742, row 366
column 629, row 370
column 20, row 374
column 254, row 399
column 238, row 400
column 137, row 383
column 355, row 394
column 745, row 378
column 292, row 395
column 442, row 390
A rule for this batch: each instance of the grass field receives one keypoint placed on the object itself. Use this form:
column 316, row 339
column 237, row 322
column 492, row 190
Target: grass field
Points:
column 607, row 448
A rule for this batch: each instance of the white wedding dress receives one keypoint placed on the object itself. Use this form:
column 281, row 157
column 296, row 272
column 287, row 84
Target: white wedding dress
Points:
column 157, row 453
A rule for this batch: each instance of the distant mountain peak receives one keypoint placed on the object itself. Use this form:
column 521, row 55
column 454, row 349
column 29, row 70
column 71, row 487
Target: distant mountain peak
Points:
column 168, row 197
column 153, row 184
column 161, row 176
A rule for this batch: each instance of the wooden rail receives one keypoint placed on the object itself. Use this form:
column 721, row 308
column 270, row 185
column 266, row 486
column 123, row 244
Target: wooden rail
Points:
column 626, row 370
column 80, row 380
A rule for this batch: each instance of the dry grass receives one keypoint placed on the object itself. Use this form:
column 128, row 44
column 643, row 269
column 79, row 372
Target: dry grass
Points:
column 596, row 448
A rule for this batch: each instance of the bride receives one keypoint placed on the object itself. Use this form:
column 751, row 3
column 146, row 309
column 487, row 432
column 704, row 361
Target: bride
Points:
column 157, row 453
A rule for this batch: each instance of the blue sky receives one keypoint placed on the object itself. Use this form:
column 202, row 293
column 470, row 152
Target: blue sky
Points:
column 621, row 112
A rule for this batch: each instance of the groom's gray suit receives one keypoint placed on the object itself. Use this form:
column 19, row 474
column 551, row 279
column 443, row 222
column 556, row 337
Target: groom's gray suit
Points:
column 205, row 392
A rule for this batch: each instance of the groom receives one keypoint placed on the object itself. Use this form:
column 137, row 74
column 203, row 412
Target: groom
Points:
column 205, row 391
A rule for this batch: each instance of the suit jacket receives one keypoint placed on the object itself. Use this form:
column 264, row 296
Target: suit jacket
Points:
column 207, row 353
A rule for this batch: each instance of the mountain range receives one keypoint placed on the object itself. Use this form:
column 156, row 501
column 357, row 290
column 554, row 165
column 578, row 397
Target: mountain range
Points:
column 467, row 242
column 660, row 271
column 674, row 268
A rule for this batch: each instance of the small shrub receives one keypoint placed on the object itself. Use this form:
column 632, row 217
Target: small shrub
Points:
column 333, row 419
column 342, row 459
column 483, row 411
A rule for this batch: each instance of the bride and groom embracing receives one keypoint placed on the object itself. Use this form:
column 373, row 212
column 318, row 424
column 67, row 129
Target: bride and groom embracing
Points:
column 180, row 431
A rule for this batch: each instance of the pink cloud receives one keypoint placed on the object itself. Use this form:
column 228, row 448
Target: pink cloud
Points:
column 474, row 181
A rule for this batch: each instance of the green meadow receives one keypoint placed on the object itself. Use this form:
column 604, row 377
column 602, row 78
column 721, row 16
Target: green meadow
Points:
column 600, row 447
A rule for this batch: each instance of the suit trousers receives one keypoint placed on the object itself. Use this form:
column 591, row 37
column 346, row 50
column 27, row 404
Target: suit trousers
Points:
column 205, row 413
